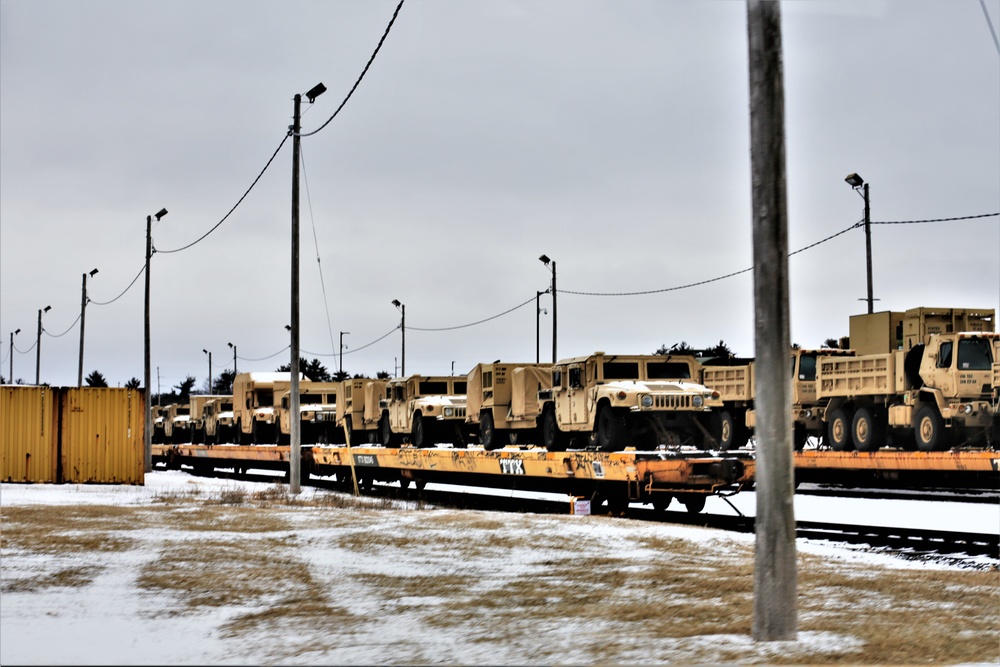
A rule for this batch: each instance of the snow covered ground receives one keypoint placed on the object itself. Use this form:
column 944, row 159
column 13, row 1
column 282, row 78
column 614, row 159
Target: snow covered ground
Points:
column 395, row 583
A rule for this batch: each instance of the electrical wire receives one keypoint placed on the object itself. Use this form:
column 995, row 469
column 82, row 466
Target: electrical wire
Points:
column 239, row 201
column 71, row 327
column 472, row 324
column 29, row 349
column 379, row 339
column 267, row 357
column 363, row 72
column 105, row 303
column 319, row 265
column 918, row 222
column 989, row 22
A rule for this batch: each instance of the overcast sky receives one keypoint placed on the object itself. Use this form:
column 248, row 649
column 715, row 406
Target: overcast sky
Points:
column 611, row 136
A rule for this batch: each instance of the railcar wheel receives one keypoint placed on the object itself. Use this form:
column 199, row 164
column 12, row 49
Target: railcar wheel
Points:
column 612, row 430
column 694, row 503
column 553, row 439
column 867, row 430
column 617, row 504
column 661, row 501
column 929, row 429
column 404, row 483
column 420, row 484
column 839, row 431
column 487, row 432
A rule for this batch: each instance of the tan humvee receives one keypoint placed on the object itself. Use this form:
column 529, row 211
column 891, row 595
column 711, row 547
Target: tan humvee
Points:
column 156, row 412
column 197, row 415
column 317, row 412
column 503, row 402
column 218, row 416
column 424, row 411
column 358, row 413
column 177, row 423
column 613, row 401
column 253, row 406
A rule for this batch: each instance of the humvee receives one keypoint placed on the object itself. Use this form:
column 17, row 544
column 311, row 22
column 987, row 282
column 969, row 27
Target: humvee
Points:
column 423, row 411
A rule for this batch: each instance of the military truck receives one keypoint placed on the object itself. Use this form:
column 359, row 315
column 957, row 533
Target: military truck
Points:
column 615, row 401
column 177, row 423
column 936, row 392
column 358, row 412
column 197, row 415
column 503, row 404
column 156, row 412
column 736, row 420
column 253, row 406
column 317, row 412
column 424, row 411
column 218, row 418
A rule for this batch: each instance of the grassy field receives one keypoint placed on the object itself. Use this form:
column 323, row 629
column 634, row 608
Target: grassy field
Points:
column 334, row 580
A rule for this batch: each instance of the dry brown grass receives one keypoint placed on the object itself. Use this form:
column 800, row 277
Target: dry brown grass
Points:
column 66, row 529
column 71, row 577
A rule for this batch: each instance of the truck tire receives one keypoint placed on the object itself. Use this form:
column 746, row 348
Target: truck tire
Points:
column 553, row 438
column 867, row 430
column 929, row 430
column 612, row 430
column 487, row 432
column 839, row 431
column 722, row 427
column 422, row 432
column 385, row 434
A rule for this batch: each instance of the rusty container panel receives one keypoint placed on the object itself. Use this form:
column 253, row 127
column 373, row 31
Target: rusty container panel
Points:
column 102, row 436
column 29, row 434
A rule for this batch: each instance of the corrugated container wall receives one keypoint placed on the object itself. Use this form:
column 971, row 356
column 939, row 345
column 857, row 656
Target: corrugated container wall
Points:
column 28, row 434
column 102, row 436
column 58, row 434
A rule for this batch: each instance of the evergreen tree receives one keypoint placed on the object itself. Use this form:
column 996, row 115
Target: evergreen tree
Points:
column 95, row 379
column 134, row 383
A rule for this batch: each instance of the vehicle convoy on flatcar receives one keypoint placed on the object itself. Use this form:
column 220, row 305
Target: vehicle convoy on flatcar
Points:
column 614, row 401
column 317, row 412
column 196, row 415
column 253, row 406
column 358, row 412
column 424, row 411
column 218, row 420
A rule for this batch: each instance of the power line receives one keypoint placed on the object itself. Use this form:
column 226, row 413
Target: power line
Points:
column 993, row 34
column 28, row 350
column 105, row 303
column 263, row 358
column 319, row 265
column 71, row 327
column 917, row 222
column 380, row 338
column 472, row 324
column 363, row 72
column 240, row 201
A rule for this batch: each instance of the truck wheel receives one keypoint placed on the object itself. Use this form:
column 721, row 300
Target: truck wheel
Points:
column 553, row 439
column 929, row 429
column 385, row 432
column 722, row 428
column 799, row 437
column 612, row 431
column 421, row 433
column 839, row 431
column 487, row 432
column 867, row 430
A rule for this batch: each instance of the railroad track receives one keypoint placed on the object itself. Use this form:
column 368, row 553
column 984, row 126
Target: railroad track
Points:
column 952, row 495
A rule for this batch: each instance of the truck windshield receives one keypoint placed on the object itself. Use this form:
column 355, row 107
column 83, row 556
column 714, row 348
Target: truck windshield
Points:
column 807, row 367
column 974, row 354
column 667, row 370
column 461, row 388
column 621, row 370
column 433, row 387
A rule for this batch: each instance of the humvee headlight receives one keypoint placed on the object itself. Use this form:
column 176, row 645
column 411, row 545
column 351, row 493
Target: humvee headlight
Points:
column 697, row 401
column 622, row 394
column 967, row 409
column 449, row 412
column 647, row 401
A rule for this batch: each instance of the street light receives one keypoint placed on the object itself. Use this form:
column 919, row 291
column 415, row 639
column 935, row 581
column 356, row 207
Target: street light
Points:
column 83, row 321
column 209, row 369
column 856, row 182
column 546, row 261
column 342, row 352
column 538, row 312
column 295, row 435
column 402, row 325
column 234, row 360
column 38, row 346
column 12, row 334
column 148, row 430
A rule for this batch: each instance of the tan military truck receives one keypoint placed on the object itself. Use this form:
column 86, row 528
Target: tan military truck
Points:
column 197, row 415
column 736, row 420
column 156, row 412
column 996, row 391
column 503, row 402
column 614, row 401
column 937, row 391
column 177, row 423
column 317, row 412
column 253, row 406
column 358, row 412
column 424, row 411
column 218, row 417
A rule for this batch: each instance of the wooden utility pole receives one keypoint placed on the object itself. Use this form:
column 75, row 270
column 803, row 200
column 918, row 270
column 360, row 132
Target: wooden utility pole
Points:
column 774, row 610
column 295, row 435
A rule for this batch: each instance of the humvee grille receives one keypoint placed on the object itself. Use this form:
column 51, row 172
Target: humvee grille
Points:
column 671, row 401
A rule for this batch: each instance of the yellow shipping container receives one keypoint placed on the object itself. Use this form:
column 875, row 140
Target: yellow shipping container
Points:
column 102, row 436
column 29, row 434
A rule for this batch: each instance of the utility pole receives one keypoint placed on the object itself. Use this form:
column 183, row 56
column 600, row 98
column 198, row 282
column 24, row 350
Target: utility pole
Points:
column 234, row 360
column 83, row 321
column 342, row 351
column 148, row 430
column 12, row 334
column 555, row 316
column 209, row 370
column 38, row 346
column 538, row 329
column 402, row 325
column 774, row 610
column 857, row 182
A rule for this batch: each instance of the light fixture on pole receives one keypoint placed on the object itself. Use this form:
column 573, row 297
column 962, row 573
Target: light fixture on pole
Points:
column 234, row 360
column 857, row 182
column 38, row 346
column 209, row 369
column 295, row 435
column 12, row 334
column 342, row 352
column 83, row 321
column 546, row 261
column 538, row 312
column 148, row 430
column 402, row 325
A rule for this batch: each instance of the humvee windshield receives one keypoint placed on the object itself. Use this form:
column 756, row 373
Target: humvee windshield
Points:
column 668, row 370
column 430, row 387
column 621, row 370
